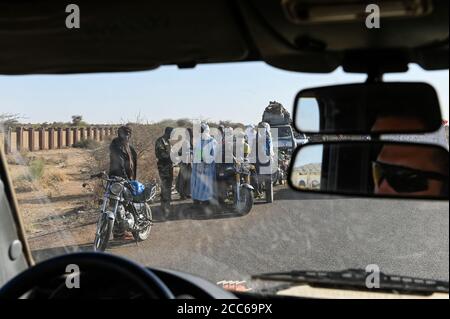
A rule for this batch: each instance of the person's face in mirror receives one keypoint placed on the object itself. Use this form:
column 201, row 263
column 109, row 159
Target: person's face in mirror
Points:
column 396, row 123
column 409, row 170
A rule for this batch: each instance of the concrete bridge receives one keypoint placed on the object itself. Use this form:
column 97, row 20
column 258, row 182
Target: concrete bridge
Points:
column 47, row 138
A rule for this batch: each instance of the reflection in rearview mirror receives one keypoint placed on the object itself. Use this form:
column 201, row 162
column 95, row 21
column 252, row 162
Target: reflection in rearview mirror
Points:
column 307, row 168
column 308, row 110
column 360, row 108
column 372, row 169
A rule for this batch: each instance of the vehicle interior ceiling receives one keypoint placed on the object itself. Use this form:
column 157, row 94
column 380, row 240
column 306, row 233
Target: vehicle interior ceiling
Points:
column 144, row 35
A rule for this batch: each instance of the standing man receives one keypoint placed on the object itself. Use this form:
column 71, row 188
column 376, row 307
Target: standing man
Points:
column 264, row 159
column 165, row 168
column 123, row 157
column 221, row 181
column 250, row 133
column 183, row 183
column 123, row 163
column 204, row 168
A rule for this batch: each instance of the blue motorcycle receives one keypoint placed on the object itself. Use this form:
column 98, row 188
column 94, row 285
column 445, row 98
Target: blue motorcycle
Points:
column 126, row 205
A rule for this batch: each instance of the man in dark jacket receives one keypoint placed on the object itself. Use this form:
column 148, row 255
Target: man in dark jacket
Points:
column 183, row 184
column 165, row 168
column 123, row 157
column 123, row 163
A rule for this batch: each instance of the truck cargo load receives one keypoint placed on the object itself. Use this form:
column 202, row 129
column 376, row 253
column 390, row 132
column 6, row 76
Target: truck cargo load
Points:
column 276, row 114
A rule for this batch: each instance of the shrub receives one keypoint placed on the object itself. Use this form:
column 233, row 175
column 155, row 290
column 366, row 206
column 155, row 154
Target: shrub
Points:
column 143, row 140
column 37, row 168
column 51, row 179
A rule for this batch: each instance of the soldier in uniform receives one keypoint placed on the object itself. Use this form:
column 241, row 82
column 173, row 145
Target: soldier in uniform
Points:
column 183, row 183
column 165, row 168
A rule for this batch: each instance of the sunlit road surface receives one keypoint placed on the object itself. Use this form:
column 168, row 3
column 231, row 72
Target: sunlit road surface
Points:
column 302, row 232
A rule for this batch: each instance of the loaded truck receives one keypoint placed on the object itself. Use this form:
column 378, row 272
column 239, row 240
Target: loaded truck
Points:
column 284, row 141
column 280, row 122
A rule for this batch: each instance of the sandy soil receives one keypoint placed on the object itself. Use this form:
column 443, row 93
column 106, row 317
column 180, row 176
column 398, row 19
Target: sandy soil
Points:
column 57, row 209
column 59, row 213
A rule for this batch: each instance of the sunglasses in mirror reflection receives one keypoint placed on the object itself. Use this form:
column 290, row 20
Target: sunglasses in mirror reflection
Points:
column 382, row 169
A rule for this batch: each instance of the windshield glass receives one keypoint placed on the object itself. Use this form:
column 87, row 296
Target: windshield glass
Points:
column 283, row 132
column 58, row 131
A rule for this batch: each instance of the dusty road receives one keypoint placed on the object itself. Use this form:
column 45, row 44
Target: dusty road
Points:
column 298, row 231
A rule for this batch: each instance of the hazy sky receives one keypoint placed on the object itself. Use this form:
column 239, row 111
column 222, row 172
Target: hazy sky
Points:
column 237, row 92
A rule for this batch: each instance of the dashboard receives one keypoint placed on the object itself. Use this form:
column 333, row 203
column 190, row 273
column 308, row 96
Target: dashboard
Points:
column 90, row 275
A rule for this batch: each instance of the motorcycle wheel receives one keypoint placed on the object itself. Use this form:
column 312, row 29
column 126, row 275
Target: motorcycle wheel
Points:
column 245, row 204
column 103, row 233
column 144, row 233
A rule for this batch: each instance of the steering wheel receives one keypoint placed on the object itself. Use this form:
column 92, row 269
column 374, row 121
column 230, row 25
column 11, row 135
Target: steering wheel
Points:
column 102, row 264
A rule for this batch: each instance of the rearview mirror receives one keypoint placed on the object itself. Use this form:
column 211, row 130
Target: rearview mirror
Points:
column 368, row 108
column 380, row 169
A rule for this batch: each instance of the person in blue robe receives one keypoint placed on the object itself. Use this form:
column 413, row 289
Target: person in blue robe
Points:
column 204, row 168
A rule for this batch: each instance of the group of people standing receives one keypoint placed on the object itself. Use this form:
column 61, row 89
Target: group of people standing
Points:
column 196, row 176
column 203, row 158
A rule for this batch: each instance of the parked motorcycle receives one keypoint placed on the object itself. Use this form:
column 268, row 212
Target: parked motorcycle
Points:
column 125, row 206
column 238, row 189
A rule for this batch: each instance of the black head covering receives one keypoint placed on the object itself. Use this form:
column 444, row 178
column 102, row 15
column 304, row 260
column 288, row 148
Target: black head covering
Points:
column 168, row 131
column 125, row 129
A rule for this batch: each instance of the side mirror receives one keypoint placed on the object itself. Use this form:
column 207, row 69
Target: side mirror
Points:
column 368, row 108
column 379, row 169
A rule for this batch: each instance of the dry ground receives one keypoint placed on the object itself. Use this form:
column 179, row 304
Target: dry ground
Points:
column 57, row 209
column 56, row 204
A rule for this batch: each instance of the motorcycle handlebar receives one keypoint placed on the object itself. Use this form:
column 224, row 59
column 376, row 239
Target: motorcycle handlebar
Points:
column 105, row 176
column 98, row 175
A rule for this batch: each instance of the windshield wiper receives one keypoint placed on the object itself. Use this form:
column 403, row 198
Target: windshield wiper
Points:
column 356, row 279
